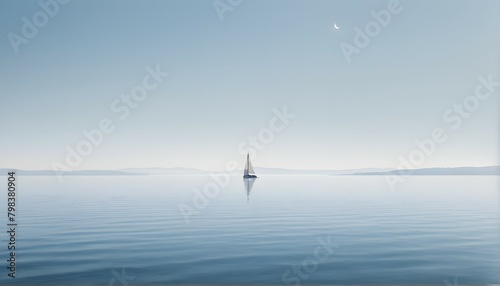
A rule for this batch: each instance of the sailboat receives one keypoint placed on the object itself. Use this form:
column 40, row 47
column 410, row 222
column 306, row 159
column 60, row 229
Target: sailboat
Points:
column 249, row 172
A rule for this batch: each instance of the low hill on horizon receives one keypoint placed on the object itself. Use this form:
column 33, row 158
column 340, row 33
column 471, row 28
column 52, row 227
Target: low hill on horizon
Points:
column 455, row 171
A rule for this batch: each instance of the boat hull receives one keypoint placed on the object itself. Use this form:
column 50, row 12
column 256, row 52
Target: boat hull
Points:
column 249, row 176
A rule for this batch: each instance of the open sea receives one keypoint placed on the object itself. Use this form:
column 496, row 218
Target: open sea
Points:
column 289, row 230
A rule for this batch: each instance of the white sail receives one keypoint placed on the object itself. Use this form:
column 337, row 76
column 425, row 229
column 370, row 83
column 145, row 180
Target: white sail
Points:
column 250, row 168
column 245, row 173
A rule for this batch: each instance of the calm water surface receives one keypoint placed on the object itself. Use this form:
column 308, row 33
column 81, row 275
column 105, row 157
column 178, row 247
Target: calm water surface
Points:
column 91, row 229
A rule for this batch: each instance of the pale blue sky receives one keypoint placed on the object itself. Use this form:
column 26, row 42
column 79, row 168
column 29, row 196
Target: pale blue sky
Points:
column 227, row 76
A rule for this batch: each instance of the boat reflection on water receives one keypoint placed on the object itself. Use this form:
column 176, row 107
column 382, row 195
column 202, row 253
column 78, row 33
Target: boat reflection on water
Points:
column 248, row 186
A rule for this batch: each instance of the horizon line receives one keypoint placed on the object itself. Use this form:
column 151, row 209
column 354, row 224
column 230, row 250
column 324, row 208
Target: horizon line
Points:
column 346, row 169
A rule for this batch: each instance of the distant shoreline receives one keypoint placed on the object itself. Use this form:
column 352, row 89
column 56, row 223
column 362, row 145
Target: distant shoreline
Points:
column 456, row 171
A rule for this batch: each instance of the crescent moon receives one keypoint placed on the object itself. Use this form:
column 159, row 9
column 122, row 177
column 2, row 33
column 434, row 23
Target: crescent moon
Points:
column 335, row 26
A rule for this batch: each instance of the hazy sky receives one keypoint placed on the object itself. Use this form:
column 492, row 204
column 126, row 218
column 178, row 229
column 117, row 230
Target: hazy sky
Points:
column 226, row 77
